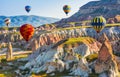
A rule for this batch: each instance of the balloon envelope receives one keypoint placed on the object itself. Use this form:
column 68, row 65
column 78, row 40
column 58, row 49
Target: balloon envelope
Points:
column 98, row 23
column 66, row 9
column 7, row 21
column 27, row 31
column 28, row 8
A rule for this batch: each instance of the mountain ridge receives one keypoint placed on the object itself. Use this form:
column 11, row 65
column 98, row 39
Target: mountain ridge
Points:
column 105, row 8
column 31, row 19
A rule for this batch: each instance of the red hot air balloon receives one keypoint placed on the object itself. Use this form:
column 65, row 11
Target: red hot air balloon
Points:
column 27, row 31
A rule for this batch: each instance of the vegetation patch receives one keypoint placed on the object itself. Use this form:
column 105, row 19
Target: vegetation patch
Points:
column 93, row 75
column 112, row 25
column 86, row 40
column 92, row 57
column 3, row 57
column 9, row 70
column 69, row 28
column 2, row 75
column 57, row 74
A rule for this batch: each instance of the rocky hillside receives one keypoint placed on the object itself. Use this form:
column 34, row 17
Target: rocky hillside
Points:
column 71, row 51
column 106, row 8
column 64, row 55
column 83, row 56
column 45, row 38
column 32, row 19
column 53, row 36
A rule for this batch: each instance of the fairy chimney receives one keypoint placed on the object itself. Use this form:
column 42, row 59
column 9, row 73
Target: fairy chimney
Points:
column 35, row 45
column 106, row 62
column 9, row 54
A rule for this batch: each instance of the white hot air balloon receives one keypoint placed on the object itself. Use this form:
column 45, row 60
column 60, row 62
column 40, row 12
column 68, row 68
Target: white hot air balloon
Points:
column 7, row 21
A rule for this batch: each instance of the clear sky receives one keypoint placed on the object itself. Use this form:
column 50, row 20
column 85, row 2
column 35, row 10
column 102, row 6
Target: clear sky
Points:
column 47, row 8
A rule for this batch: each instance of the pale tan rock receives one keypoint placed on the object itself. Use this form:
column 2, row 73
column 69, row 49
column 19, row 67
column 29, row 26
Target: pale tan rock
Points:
column 106, row 60
column 34, row 45
column 9, row 54
column 118, row 62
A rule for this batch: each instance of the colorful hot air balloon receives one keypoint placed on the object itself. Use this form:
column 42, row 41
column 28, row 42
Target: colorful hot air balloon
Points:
column 27, row 31
column 7, row 21
column 66, row 9
column 98, row 23
column 28, row 8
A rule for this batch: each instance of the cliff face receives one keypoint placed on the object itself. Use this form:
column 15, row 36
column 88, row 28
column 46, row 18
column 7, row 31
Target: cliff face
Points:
column 106, row 8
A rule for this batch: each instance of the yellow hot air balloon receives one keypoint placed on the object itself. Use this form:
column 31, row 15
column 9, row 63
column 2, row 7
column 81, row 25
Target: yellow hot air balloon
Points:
column 98, row 23
column 66, row 9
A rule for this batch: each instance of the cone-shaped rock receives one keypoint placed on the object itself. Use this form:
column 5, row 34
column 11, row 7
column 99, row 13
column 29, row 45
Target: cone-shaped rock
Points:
column 9, row 54
column 106, row 62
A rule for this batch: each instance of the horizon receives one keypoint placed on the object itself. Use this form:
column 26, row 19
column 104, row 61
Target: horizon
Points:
column 39, row 8
column 28, row 15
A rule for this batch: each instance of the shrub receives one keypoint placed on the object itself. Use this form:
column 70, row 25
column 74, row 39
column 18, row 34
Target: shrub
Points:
column 3, row 60
column 1, row 67
column 92, row 57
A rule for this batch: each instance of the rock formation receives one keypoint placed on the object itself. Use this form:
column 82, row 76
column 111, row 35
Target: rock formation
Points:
column 62, row 57
column 118, row 62
column 47, row 27
column 52, row 37
column 9, row 54
column 13, row 37
column 113, row 20
column 34, row 45
column 81, row 69
column 116, row 47
column 106, row 62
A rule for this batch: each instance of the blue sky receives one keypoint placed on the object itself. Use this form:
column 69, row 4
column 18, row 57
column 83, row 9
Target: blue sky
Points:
column 47, row 8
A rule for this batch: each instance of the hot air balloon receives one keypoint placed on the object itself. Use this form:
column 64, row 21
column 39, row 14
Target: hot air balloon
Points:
column 98, row 23
column 7, row 21
column 66, row 9
column 27, row 31
column 28, row 8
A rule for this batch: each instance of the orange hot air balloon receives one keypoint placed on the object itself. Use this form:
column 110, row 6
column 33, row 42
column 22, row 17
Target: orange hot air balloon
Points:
column 27, row 31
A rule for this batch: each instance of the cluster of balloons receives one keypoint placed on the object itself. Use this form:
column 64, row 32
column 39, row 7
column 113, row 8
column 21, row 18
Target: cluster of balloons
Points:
column 66, row 9
column 27, row 30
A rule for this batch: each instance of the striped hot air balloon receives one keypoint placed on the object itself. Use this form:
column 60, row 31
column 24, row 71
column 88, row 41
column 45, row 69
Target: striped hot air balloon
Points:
column 7, row 21
column 98, row 23
column 27, row 31
column 66, row 9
